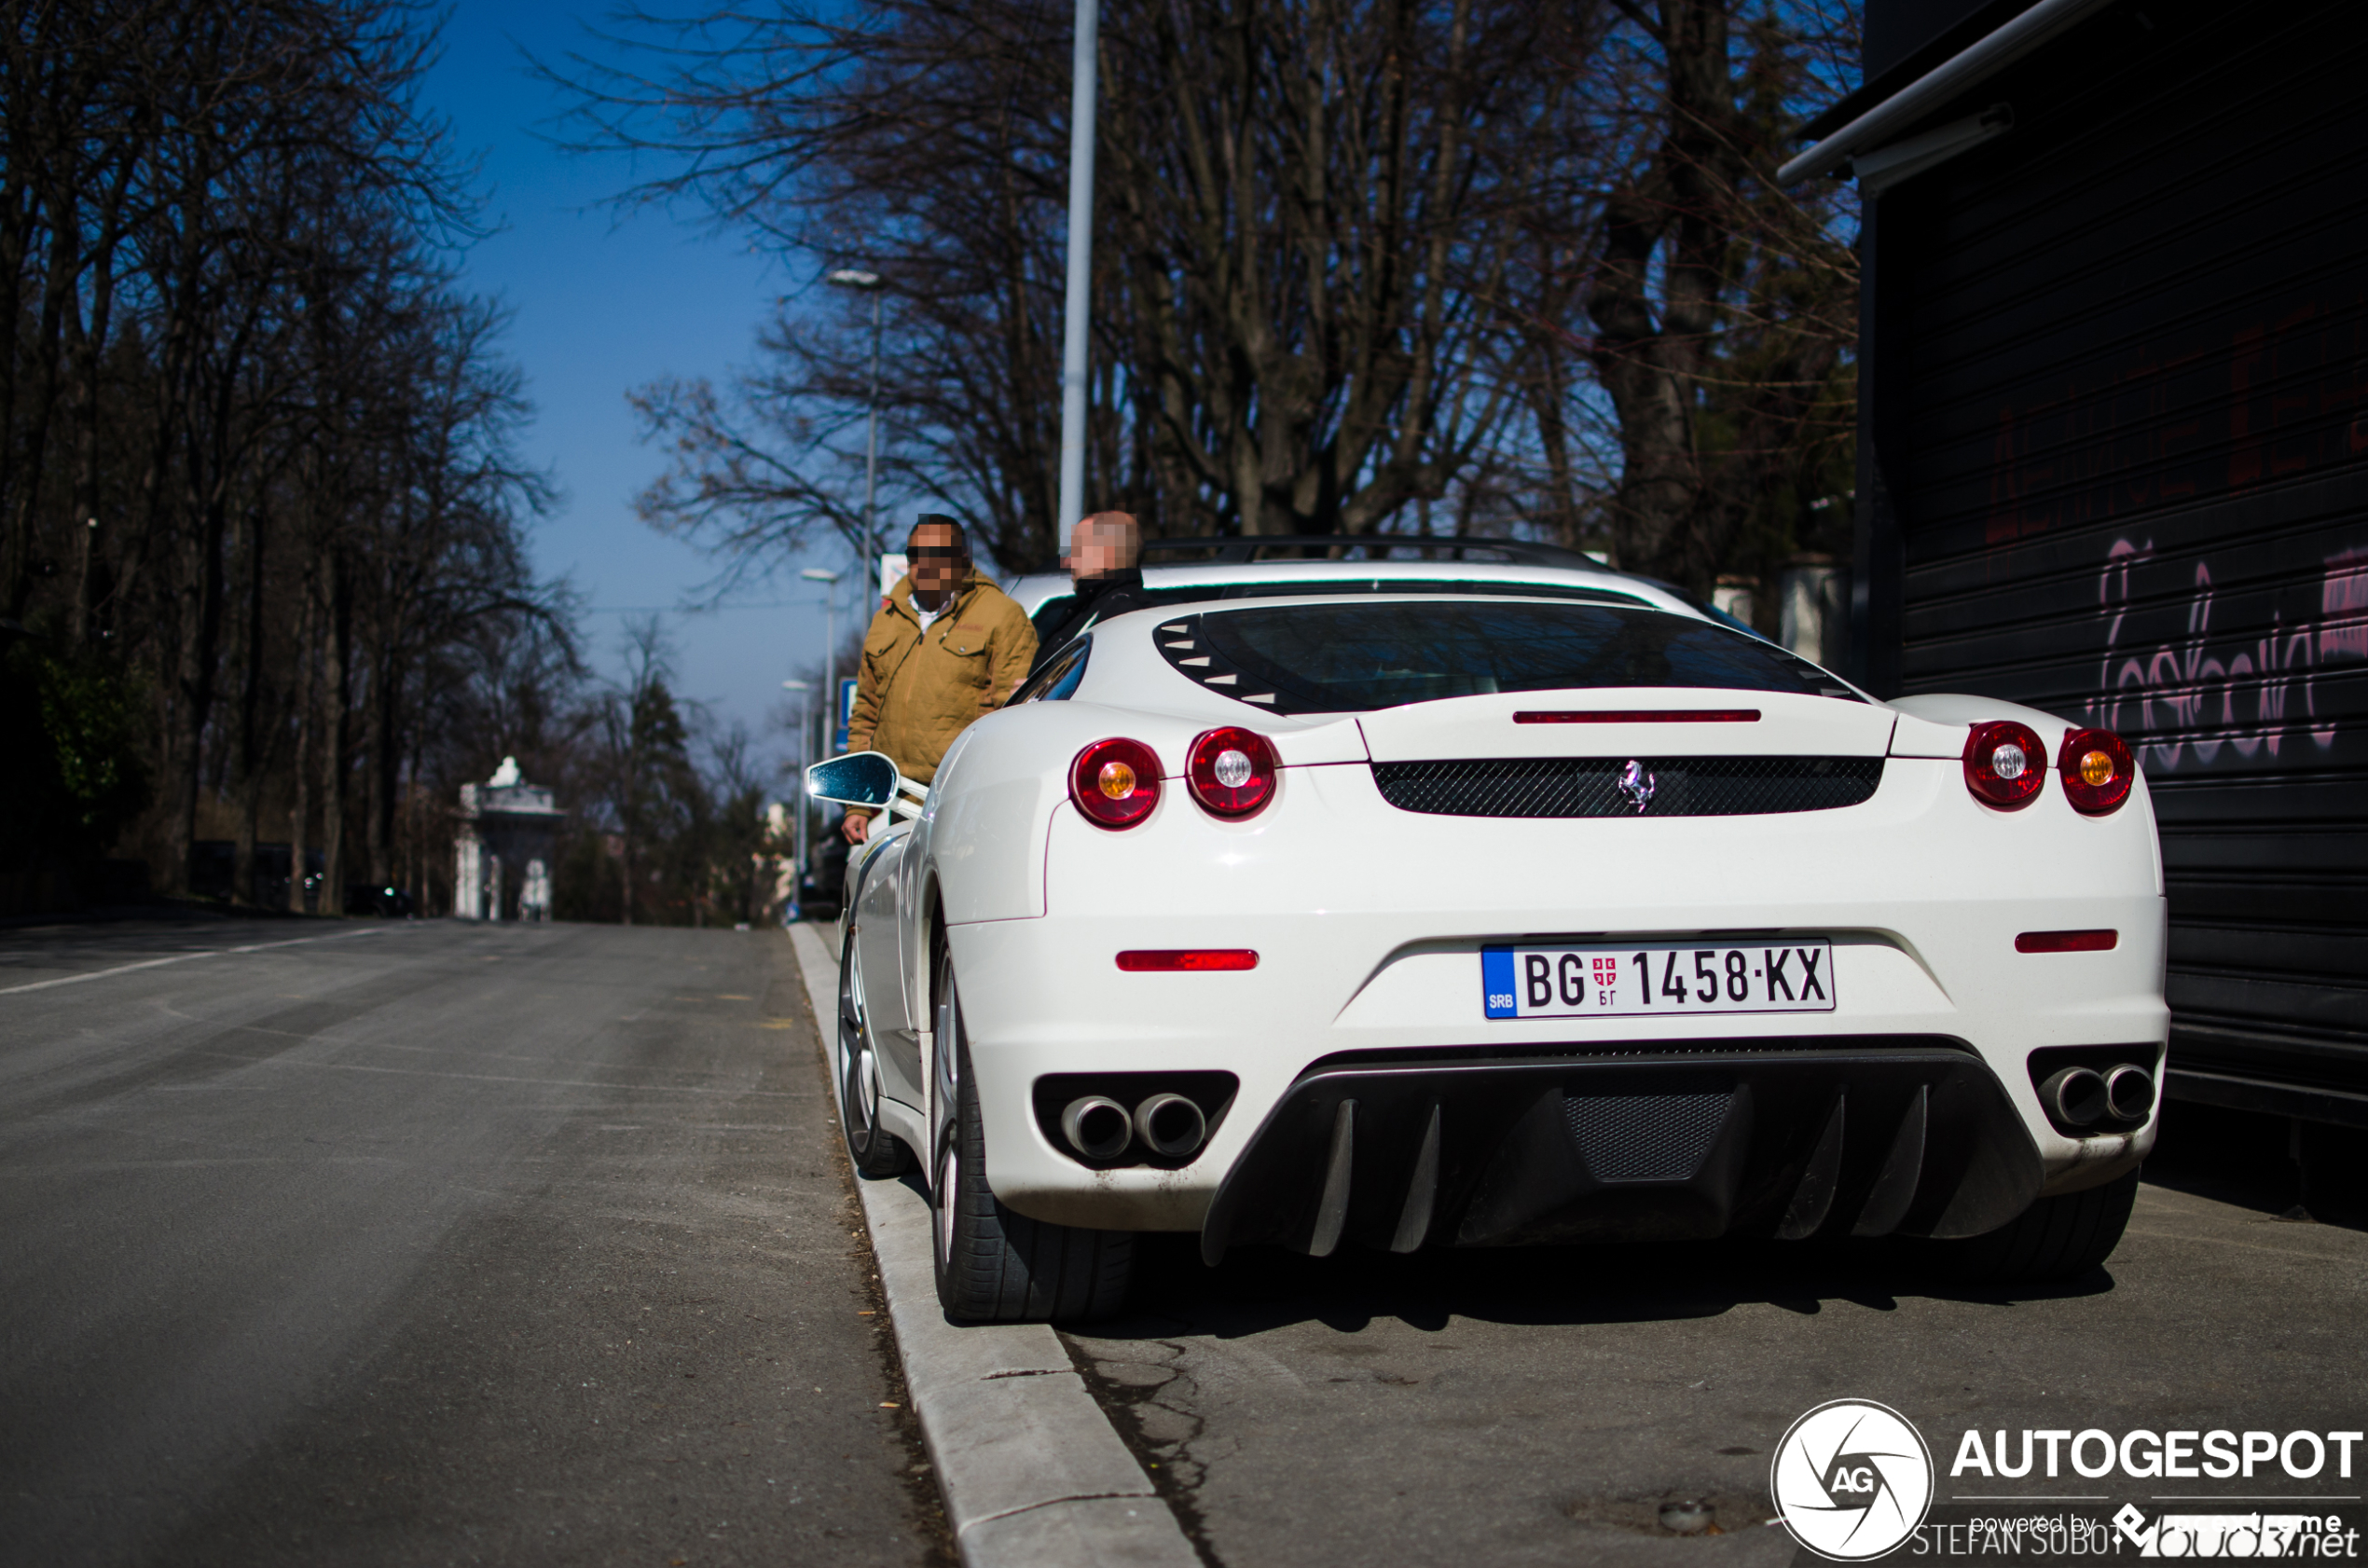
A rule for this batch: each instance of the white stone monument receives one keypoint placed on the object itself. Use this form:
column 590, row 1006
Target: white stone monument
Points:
column 505, row 838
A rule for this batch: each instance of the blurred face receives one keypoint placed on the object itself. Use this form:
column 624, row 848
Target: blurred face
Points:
column 1102, row 546
column 937, row 563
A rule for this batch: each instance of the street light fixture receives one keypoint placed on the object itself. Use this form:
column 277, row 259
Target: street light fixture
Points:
column 867, row 283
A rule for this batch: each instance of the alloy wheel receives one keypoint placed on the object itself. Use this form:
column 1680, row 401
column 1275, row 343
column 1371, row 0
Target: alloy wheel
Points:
column 944, row 1191
column 858, row 1076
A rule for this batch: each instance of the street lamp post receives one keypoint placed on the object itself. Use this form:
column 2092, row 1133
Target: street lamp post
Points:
column 830, row 653
column 805, row 734
column 1078, row 306
column 868, row 283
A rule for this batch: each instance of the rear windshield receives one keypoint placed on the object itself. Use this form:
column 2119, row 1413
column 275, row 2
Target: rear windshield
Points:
column 1050, row 614
column 1354, row 657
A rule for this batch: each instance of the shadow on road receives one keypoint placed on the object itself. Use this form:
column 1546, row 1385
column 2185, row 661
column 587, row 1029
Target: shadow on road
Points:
column 2267, row 1163
column 1258, row 1289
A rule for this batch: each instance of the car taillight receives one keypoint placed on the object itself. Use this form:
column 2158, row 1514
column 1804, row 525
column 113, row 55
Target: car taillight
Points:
column 1115, row 782
column 2097, row 770
column 2067, row 941
column 1186, row 961
column 2004, row 764
column 1231, row 771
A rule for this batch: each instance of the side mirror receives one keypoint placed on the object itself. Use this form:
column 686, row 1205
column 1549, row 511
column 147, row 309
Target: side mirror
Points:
column 859, row 778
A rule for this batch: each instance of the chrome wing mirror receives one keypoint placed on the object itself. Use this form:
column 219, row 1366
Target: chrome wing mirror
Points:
column 866, row 778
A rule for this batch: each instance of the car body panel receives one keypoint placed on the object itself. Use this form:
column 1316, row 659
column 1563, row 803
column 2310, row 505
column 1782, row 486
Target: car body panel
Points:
column 1369, row 923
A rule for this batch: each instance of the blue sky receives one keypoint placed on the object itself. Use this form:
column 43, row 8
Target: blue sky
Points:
column 603, row 302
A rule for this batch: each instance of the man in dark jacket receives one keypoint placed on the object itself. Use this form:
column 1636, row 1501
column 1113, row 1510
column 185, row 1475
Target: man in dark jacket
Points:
column 1106, row 551
column 948, row 648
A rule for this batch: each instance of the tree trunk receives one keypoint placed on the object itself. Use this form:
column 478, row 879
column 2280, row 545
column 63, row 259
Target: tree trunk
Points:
column 336, row 704
column 308, row 708
column 248, row 745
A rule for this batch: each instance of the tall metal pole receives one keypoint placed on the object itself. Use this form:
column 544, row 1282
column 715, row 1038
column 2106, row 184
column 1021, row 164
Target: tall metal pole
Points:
column 1077, row 316
column 872, row 584
column 830, row 580
column 804, row 802
column 870, row 283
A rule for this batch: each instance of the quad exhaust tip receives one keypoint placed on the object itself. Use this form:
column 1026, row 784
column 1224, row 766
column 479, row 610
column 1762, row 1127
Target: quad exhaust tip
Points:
column 1099, row 1127
column 2076, row 1096
column 1170, row 1125
column 2129, row 1092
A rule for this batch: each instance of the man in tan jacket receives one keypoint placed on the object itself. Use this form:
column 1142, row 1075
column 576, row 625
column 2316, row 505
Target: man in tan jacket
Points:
column 946, row 648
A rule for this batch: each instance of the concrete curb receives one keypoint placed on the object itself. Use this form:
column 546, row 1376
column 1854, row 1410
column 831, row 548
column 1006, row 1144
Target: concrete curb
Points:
column 1029, row 1467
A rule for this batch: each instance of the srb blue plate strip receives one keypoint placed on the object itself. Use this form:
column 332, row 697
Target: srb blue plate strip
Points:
column 1497, row 991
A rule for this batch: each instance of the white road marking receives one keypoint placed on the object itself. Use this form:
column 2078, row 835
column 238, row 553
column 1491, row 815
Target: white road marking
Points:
column 184, row 957
column 478, row 1078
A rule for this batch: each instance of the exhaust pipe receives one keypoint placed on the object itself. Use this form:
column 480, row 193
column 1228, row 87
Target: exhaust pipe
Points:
column 1097, row 1127
column 2129, row 1092
column 1170, row 1125
column 2076, row 1096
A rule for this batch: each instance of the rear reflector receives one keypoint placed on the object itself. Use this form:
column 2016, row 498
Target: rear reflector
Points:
column 1171, row 960
column 2066, row 942
column 1643, row 716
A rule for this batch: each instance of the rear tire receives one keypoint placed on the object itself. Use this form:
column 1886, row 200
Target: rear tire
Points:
column 994, row 1265
column 875, row 1151
column 2054, row 1239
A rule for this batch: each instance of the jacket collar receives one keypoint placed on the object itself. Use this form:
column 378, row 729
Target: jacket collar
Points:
column 901, row 597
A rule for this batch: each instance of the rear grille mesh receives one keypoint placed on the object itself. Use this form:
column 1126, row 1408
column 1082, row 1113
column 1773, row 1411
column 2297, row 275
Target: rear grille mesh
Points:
column 1645, row 1138
column 1591, row 786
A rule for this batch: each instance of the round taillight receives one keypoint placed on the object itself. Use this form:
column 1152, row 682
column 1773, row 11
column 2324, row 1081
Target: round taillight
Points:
column 2097, row 770
column 2004, row 764
column 1115, row 782
column 1231, row 771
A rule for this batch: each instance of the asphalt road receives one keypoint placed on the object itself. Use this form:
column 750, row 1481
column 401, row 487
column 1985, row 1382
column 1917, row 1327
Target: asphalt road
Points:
column 429, row 1243
column 1538, row 1407
column 436, row 1244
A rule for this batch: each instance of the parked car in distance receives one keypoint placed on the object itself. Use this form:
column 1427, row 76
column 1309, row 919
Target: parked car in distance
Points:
column 823, row 881
column 365, row 898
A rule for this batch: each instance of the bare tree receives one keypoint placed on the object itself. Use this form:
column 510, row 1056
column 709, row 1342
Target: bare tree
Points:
column 1303, row 262
column 252, row 448
column 1722, row 306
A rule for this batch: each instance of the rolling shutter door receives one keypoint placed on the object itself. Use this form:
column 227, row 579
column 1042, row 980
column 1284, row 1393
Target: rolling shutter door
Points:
column 2129, row 464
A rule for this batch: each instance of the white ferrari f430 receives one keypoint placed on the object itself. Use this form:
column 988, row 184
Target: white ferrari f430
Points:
column 1490, row 906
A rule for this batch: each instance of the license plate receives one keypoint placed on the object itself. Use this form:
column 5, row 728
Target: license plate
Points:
column 1656, row 979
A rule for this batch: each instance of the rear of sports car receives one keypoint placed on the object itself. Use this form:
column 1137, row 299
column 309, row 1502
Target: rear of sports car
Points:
column 1400, row 945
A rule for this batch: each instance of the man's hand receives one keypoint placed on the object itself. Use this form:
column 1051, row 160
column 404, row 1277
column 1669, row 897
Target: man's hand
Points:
column 855, row 827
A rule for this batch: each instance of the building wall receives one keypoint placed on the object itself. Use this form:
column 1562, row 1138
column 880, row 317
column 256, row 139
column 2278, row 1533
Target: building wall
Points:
column 2116, row 442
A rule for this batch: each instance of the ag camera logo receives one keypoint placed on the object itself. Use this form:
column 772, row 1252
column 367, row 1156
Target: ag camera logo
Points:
column 1852, row 1479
